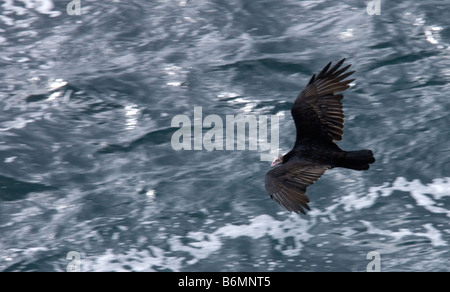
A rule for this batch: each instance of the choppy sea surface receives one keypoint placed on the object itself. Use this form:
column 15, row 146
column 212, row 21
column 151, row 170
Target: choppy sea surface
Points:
column 86, row 159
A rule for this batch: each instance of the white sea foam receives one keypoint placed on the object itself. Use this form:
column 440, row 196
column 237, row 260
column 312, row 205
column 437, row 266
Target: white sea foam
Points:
column 41, row 6
column 419, row 191
column 433, row 234
column 202, row 245
column 199, row 245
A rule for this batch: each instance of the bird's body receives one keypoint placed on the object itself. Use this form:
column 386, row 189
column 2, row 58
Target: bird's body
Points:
column 314, row 150
column 319, row 121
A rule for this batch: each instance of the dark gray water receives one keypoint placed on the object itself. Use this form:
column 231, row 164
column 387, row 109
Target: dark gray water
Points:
column 86, row 162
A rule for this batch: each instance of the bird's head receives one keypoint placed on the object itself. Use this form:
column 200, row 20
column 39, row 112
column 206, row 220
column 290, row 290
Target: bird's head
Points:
column 278, row 160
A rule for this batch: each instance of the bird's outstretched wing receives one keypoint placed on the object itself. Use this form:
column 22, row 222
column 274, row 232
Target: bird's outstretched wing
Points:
column 287, row 183
column 317, row 111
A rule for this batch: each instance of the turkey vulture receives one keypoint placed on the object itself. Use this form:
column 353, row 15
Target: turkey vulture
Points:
column 319, row 120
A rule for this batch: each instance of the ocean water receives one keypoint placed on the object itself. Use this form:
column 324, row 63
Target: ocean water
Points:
column 87, row 164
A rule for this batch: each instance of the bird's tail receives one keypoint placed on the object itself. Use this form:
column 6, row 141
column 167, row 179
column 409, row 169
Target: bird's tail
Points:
column 358, row 160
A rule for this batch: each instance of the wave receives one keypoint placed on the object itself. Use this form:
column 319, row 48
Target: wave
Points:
column 12, row 189
column 290, row 233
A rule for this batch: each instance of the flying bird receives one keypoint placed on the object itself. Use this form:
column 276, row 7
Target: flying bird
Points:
column 319, row 121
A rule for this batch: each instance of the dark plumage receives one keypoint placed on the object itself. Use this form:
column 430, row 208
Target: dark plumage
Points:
column 319, row 120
